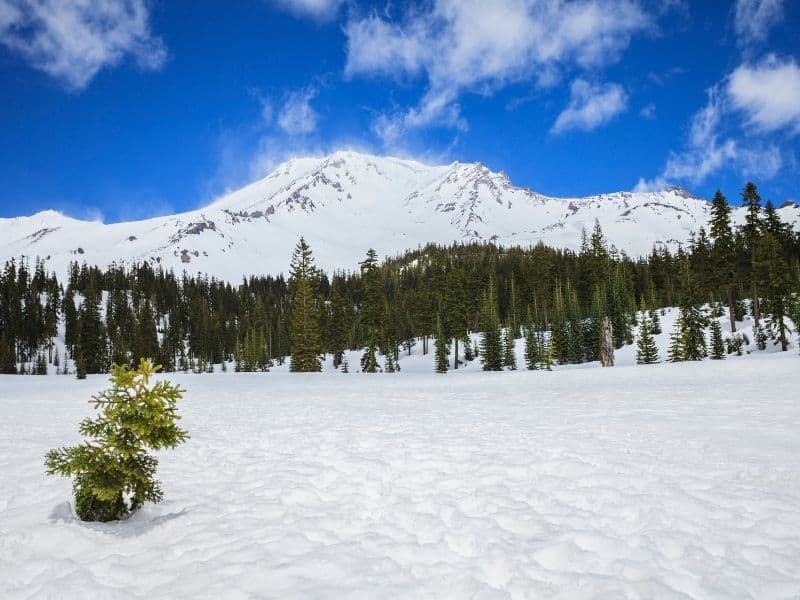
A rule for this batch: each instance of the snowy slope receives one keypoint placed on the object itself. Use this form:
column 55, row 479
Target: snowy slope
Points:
column 348, row 202
column 667, row 481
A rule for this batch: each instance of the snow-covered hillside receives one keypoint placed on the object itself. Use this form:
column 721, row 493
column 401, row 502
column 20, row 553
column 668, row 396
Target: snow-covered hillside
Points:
column 662, row 481
column 348, row 202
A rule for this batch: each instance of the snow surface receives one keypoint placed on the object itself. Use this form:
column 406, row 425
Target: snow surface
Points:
column 662, row 481
column 348, row 202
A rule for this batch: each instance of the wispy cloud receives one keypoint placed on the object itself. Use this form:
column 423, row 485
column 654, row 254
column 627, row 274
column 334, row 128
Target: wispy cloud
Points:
column 648, row 112
column 296, row 116
column 463, row 46
column 72, row 40
column 752, row 19
column 590, row 106
column 767, row 97
column 321, row 10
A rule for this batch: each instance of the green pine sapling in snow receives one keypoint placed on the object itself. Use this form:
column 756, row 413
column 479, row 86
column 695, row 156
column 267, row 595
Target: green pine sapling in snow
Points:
column 114, row 474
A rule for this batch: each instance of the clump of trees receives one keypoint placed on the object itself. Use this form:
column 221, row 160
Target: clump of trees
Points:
column 382, row 309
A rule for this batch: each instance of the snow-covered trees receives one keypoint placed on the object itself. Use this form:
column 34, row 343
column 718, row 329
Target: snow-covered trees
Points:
column 114, row 474
column 717, row 343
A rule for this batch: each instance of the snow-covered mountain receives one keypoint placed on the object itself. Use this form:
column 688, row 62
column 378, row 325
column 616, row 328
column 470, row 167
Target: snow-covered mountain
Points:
column 348, row 202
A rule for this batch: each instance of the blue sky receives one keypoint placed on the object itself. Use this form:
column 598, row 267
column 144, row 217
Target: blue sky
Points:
column 122, row 109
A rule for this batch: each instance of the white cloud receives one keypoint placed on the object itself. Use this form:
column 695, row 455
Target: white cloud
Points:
column 648, row 112
column 590, row 106
column 707, row 150
column 754, row 18
column 705, row 153
column 321, row 10
column 650, row 185
column 761, row 160
column 296, row 116
column 476, row 46
column 768, row 94
column 72, row 40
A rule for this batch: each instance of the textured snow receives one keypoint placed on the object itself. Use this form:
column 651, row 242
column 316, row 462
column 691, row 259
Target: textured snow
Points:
column 665, row 481
column 346, row 203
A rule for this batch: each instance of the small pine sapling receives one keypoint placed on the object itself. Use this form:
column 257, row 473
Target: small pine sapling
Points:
column 760, row 336
column 114, row 474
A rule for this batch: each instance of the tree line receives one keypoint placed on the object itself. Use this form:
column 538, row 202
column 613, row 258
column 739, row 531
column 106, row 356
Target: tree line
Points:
column 434, row 296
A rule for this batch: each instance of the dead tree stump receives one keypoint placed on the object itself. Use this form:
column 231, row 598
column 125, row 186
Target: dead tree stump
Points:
column 606, row 343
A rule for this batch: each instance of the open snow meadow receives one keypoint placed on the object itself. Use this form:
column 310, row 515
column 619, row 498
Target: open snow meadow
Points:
column 665, row 481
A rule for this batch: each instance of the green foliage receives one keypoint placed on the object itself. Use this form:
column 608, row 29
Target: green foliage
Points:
column 533, row 348
column 80, row 366
column 760, row 336
column 736, row 343
column 717, row 343
column 369, row 360
column 184, row 321
column 440, row 348
column 693, row 329
column 114, row 474
column 491, row 345
column 646, row 349
column 509, row 355
column 8, row 362
column 676, row 344
column 305, row 333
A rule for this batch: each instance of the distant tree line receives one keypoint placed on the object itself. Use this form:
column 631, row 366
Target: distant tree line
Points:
column 434, row 296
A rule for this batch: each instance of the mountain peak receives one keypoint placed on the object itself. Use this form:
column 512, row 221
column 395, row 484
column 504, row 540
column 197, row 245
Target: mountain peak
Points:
column 348, row 202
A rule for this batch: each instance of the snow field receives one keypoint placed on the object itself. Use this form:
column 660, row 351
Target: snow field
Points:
column 663, row 481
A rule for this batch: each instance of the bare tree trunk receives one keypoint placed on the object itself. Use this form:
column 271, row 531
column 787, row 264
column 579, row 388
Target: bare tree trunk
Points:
column 606, row 343
column 731, row 309
column 756, row 305
column 455, row 358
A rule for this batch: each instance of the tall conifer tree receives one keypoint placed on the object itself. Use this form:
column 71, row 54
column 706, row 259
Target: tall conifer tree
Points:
column 305, row 333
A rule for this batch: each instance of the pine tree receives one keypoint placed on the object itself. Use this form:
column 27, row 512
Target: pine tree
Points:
column 92, row 343
column 509, row 354
column 371, row 310
column 80, row 366
column 533, row 358
column 722, row 252
column 546, row 351
column 717, row 343
column 693, row 331
column 469, row 355
column 677, row 351
column 646, row 349
column 655, row 322
column 759, row 336
column 752, row 231
column 491, row 343
column 41, row 365
column 369, row 360
column 305, row 333
column 114, row 474
column 440, row 347
column 775, row 278
column 338, row 324
column 8, row 360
